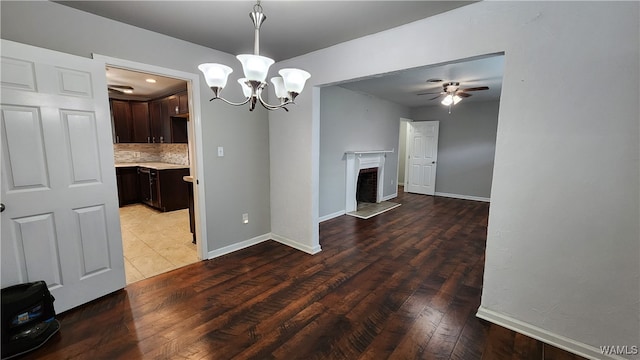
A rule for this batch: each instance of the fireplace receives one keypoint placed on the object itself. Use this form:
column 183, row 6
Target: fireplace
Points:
column 367, row 186
column 370, row 162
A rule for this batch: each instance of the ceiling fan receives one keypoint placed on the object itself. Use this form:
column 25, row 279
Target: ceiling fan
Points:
column 453, row 93
column 120, row 89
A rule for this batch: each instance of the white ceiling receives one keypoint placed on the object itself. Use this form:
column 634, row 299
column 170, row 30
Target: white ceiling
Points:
column 142, row 89
column 403, row 86
column 296, row 27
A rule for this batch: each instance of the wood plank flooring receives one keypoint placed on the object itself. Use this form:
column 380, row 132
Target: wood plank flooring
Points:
column 402, row 285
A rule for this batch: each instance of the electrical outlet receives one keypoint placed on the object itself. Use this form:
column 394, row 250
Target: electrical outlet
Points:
column 220, row 151
column 245, row 218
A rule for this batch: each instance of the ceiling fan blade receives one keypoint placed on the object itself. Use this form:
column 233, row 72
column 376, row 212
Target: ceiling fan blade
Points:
column 463, row 94
column 430, row 93
column 475, row 88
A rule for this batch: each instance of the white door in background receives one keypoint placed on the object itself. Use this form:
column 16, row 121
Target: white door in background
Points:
column 61, row 219
column 422, row 157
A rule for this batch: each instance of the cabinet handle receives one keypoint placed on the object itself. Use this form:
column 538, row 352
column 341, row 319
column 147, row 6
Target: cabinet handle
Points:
column 117, row 139
column 161, row 139
column 148, row 139
column 154, row 139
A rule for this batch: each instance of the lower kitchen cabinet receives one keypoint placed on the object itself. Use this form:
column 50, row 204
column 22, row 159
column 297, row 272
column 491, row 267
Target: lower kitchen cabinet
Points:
column 127, row 179
column 173, row 191
column 164, row 190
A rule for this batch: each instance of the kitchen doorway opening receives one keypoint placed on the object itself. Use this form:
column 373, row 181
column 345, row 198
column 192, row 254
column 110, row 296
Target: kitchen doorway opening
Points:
column 154, row 115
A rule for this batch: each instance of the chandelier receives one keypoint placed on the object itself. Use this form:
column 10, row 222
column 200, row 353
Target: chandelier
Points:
column 287, row 86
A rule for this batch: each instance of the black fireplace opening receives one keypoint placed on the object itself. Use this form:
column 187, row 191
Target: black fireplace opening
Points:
column 367, row 186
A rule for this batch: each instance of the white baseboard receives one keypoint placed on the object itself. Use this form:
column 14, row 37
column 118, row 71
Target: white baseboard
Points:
column 463, row 197
column 258, row 239
column 296, row 245
column 543, row 335
column 331, row 216
column 238, row 246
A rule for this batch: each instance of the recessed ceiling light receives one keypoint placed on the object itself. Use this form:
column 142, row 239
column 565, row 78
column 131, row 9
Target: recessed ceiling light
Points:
column 151, row 81
column 127, row 91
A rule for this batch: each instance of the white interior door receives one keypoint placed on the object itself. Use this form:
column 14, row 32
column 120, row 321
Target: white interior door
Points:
column 422, row 157
column 61, row 221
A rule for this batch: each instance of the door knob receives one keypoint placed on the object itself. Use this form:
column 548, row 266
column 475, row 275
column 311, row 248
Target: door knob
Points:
column 1, row 207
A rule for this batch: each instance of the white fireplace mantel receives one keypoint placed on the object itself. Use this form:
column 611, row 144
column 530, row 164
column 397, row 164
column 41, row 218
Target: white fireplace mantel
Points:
column 356, row 161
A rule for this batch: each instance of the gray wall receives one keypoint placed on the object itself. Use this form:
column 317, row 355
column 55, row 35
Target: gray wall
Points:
column 351, row 121
column 466, row 146
column 236, row 183
column 562, row 244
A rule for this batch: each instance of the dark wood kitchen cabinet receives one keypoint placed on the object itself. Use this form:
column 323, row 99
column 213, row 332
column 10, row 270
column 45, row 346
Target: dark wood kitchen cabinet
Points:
column 164, row 190
column 166, row 125
column 122, row 121
column 140, row 122
column 128, row 186
column 156, row 121
column 183, row 103
column 173, row 191
column 130, row 121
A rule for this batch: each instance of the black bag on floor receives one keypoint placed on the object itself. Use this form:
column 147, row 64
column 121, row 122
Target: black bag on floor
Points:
column 28, row 318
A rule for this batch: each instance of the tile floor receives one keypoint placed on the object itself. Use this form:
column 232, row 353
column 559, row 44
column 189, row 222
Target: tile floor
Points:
column 155, row 242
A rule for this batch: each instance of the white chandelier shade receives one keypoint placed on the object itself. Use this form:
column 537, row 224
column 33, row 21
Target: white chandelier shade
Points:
column 216, row 75
column 256, row 68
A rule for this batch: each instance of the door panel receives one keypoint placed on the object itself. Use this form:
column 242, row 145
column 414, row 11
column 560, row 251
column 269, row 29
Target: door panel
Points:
column 25, row 163
column 423, row 157
column 81, row 133
column 61, row 223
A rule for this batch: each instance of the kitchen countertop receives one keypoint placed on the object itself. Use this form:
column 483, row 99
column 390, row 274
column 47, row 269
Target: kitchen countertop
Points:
column 153, row 165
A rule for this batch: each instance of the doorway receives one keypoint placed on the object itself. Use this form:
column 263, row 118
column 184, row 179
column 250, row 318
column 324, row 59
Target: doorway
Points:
column 160, row 231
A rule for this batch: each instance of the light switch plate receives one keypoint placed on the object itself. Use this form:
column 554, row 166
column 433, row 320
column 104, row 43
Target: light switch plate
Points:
column 220, row 151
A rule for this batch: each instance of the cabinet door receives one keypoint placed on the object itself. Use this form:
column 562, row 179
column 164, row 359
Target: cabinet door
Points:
column 121, row 114
column 128, row 187
column 165, row 127
column 140, row 121
column 155, row 118
column 183, row 103
column 173, row 190
column 173, row 105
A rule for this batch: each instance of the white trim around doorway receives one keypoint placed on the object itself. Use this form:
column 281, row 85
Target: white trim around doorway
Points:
column 194, row 134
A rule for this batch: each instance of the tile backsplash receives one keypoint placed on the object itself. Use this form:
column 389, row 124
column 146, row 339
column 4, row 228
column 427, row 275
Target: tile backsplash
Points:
column 167, row 153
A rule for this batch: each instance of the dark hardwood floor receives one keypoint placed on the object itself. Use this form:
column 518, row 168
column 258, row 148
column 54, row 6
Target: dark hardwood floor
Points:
column 402, row 285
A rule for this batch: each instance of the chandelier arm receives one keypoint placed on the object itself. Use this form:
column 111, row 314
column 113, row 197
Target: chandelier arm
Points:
column 273, row 107
column 229, row 102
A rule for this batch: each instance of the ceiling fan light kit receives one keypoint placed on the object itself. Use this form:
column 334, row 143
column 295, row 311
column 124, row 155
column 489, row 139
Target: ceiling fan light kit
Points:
column 452, row 92
column 255, row 67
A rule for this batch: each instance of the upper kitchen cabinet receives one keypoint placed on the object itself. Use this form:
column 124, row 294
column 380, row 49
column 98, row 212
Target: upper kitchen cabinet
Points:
column 178, row 104
column 140, row 121
column 167, row 123
column 183, row 103
column 130, row 121
column 121, row 117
